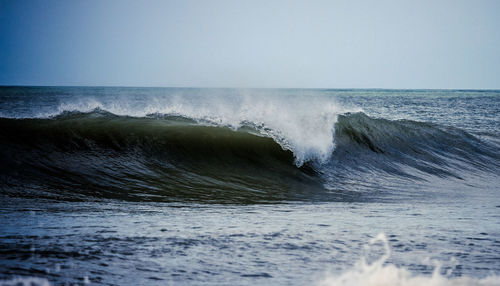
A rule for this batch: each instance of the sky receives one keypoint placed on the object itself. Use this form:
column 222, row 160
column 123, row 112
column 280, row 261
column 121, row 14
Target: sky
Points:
column 270, row 44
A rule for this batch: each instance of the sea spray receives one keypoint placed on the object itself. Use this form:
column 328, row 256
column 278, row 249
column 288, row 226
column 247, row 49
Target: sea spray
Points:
column 305, row 127
column 382, row 273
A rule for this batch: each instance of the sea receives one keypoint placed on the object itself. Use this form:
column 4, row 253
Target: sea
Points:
column 220, row 186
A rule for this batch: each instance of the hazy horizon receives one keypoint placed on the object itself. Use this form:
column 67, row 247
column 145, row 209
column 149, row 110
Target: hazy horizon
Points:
column 250, row 88
column 251, row 44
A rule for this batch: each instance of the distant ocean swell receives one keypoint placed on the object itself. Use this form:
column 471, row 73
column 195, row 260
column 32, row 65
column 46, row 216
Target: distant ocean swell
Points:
column 163, row 157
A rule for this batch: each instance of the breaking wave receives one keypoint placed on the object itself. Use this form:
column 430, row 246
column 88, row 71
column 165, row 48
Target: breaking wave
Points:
column 172, row 157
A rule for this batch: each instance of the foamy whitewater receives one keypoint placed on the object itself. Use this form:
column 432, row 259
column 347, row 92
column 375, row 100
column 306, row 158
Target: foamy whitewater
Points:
column 186, row 186
column 379, row 273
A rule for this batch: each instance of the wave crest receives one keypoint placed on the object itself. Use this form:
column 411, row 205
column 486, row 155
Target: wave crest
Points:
column 306, row 127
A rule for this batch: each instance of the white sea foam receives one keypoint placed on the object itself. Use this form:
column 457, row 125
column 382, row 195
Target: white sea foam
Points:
column 300, row 123
column 25, row 281
column 380, row 273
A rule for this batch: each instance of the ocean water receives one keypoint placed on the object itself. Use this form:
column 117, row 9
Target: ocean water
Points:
column 186, row 186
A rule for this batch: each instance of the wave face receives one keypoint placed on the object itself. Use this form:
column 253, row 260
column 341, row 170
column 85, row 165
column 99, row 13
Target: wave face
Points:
column 410, row 148
column 174, row 157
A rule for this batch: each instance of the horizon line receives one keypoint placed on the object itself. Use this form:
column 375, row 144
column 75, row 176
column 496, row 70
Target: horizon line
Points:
column 228, row 87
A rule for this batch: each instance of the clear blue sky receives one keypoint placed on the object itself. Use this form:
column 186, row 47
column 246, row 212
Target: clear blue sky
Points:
column 270, row 43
